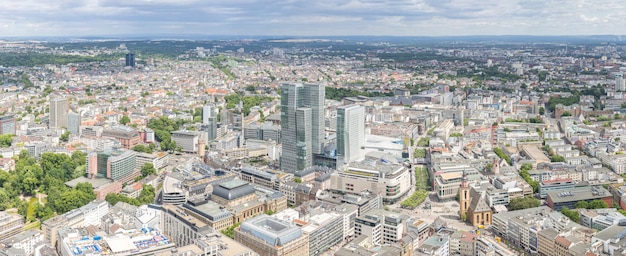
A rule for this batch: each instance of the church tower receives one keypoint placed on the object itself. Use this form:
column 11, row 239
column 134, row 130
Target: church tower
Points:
column 464, row 196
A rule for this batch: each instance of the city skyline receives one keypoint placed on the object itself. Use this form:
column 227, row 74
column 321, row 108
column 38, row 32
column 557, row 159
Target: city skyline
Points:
column 33, row 18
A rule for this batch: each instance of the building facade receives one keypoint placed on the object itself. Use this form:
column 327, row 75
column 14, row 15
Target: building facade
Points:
column 301, row 105
column 58, row 112
column 272, row 237
column 7, row 125
column 350, row 132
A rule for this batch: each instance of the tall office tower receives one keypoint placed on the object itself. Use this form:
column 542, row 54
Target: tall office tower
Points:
column 207, row 112
column 315, row 99
column 130, row 59
column 304, row 138
column 73, row 123
column 350, row 132
column 211, row 128
column 58, row 112
column 7, row 125
column 302, row 125
column 620, row 84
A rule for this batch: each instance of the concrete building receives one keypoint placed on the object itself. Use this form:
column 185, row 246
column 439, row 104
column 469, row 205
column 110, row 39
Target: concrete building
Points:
column 7, row 125
column 159, row 160
column 438, row 245
column 91, row 214
column 74, row 242
column 272, row 237
column 350, row 132
column 559, row 199
column 59, row 108
column 21, row 244
column 188, row 141
column 127, row 136
column 246, row 201
column 527, row 228
column 260, row 178
column 612, row 240
column 302, row 125
column 600, row 218
column 208, row 112
column 555, row 185
column 265, row 131
column 10, row 225
column 324, row 231
column 115, row 164
column 383, row 227
column 620, row 84
column 173, row 192
column 378, row 173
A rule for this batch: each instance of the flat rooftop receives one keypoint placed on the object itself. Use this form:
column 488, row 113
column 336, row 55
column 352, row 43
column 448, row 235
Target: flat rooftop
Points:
column 578, row 194
column 233, row 184
column 273, row 231
column 536, row 154
column 95, row 182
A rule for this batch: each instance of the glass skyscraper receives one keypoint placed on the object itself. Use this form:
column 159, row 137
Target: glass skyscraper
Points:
column 302, row 124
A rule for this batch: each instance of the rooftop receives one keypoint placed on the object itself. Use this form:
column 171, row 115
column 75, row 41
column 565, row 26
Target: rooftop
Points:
column 273, row 231
column 95, row 182
column 233, row 189
column 578, row 194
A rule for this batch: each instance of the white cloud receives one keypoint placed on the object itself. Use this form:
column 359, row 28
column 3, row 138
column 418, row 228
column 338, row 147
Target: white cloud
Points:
column 306, row 17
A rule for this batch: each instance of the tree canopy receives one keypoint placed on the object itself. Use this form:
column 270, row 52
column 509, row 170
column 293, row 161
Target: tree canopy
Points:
column 6, row 140
column 523, row 203
column 46, row 176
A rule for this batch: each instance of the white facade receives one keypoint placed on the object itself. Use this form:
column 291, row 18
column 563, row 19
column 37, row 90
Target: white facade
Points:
column 350, row 132
column 94, row 212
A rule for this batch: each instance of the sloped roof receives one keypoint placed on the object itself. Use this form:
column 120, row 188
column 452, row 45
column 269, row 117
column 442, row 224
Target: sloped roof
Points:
column 478, row 204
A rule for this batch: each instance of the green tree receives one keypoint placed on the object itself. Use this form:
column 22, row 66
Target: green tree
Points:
column 297, row 180
column 147, row 169
column 598, row 204
column 230, row 231
column 65, row 137
column 6, row 140
column 542, row 111
column 523, row 203
column 143, row 148
column 500, row 153
column 571, row 214
column 124, row 120
column 581, row 205
column 557, row 158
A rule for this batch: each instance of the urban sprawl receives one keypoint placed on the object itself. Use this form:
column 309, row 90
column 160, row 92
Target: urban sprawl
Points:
column 313, row 147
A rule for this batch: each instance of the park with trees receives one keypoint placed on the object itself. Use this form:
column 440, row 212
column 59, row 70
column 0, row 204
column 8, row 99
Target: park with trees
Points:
column 37, row 190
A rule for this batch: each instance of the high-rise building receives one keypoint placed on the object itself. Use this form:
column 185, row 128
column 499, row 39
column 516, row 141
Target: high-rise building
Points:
column 73, row 123
column 620, row 84
column 113, row 164
column 302, row 125
column 188, row 141
column 211, row 128
column 207, row 112
column 350, row 132
column 58, row 112
column 130, row 59
column 7, row 125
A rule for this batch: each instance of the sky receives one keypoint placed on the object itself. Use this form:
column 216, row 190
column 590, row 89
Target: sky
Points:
column 31, row 18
